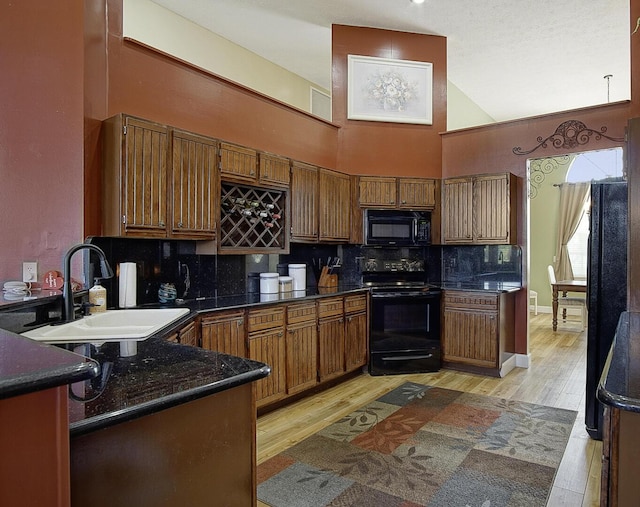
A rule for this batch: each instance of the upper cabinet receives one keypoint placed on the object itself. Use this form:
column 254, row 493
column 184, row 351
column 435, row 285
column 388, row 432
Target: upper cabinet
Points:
column 479, row 209
column 157, row 182
column 194, row 189
column 335, row 209
column 403, row 193
column 135, row 177
column 320, row 205
column 246, row 165
column 304, row 202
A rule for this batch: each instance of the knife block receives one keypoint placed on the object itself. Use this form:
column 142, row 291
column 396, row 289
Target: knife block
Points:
column 327, row 280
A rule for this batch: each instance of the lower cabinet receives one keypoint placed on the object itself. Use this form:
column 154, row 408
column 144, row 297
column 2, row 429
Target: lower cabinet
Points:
column 331, row 338
column 224, row 332
column 188, row 335
column 301, row 347
column 355, row 331
column 265, row 334
column 478, row 331
column 304, row 343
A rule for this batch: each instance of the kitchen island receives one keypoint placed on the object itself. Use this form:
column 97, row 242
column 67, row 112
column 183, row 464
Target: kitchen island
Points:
column 619, row 391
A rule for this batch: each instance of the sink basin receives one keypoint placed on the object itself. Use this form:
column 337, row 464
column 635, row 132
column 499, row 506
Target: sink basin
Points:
column 112, row 325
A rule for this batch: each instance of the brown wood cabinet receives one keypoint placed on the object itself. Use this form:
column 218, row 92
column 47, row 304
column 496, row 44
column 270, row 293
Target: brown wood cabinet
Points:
column 302, row 347
column 158, row 182
column 620, row 455
column 225, row 332
column 479, row 209
column 478, row 330
column 274, row 170
column 304, row 203
column 246, row 165
column 194, row 192
column 135, row 177
column 265, row 334
column 409, row 193
column 331, row 359
column 238, row 163
column 188, row 335
column 356, row 331
column 334, row 206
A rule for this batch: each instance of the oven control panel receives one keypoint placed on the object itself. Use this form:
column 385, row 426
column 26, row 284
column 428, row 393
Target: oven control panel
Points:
column 387, row 266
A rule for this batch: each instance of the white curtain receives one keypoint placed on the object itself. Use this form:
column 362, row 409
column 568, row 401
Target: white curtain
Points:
column 573, row 197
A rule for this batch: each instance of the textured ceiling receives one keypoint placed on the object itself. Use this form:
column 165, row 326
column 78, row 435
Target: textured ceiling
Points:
column 513, row 58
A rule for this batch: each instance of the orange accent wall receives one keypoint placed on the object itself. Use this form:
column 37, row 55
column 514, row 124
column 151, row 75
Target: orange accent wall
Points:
column 384, row 148
column 41, row 133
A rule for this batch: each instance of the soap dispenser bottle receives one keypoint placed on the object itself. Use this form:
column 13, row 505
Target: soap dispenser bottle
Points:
column 97, row 298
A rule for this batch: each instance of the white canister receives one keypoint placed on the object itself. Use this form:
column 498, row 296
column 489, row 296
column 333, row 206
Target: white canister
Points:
column 299, row 274
column 269, row 283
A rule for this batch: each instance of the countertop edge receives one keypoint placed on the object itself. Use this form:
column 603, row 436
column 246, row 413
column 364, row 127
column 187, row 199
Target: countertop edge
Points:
column 614, row 385
column 111, row 418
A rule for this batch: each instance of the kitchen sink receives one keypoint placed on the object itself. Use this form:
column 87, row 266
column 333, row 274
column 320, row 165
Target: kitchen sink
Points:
column 112, row 325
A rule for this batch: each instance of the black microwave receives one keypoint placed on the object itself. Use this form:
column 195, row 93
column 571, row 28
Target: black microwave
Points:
column 397, row 228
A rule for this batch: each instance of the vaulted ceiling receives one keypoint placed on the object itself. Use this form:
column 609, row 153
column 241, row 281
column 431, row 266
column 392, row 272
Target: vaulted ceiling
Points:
column 513, row 58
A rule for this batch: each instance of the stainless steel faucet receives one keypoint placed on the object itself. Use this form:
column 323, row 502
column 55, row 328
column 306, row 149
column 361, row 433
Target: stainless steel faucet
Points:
column 68, row 308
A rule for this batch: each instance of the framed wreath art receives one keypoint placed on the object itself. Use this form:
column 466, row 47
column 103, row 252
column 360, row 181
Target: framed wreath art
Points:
column 384, row 89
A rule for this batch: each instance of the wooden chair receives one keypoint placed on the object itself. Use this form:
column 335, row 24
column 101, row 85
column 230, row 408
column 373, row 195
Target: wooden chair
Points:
column 565, row 302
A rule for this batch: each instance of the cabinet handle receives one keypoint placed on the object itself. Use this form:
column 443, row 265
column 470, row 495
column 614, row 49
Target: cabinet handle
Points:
column 180, row 224
column 161, row 223
column 404, row 202
column 392, row 201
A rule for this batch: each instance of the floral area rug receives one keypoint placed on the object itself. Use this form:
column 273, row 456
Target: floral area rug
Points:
column 424, row 446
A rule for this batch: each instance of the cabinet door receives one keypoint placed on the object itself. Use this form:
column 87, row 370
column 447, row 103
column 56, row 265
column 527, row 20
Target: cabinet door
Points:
column 377, row 192
column 188, row 335
column 144, row 178
column 331, row 348
column 416, row 193
column 238, row 163
column 269, row 347
column 224, row 332
column 457, row 210
column 355, row 339
column 194, row 192
column 493, row 210
column 274, row 170
column 335, row 206
column 304, row 202
column 302, row 356
column 471, row 337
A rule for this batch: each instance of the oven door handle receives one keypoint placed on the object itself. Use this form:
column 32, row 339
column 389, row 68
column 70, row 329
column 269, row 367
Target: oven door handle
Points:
column 404, row 358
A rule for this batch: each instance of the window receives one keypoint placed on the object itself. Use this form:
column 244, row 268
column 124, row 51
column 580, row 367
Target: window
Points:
column 589, row 166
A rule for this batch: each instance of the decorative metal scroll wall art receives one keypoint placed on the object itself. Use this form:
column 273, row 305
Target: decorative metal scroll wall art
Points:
column 540, row 167
column 569, row 135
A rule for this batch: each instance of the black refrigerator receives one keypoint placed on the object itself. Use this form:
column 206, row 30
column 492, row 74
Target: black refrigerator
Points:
column 606, row 286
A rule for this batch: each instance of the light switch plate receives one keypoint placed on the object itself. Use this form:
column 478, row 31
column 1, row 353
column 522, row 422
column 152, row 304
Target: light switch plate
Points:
column 29, row 271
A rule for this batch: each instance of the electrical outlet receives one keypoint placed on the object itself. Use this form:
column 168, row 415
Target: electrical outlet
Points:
column 29, row 271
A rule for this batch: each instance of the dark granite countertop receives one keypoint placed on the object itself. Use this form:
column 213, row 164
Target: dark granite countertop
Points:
column 482, row 286
column 619, row 385
column 162, row 374
column 27, row 366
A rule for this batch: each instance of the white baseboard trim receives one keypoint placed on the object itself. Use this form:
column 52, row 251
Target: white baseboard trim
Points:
column 522, row 360
column 507, row 366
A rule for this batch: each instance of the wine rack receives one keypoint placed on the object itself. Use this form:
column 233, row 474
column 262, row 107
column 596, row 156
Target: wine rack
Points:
column 252, row 218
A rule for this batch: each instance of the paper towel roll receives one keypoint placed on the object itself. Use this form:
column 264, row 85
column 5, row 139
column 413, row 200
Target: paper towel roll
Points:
column 127, row 285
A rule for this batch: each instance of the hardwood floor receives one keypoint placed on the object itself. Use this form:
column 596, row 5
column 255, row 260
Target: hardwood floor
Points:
column 556, row 377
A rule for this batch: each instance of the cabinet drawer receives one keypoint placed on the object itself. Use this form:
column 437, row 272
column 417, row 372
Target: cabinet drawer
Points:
column 470, row 300
column 330, row 307
column 299, row 313
column 355, row 304
column 266, row 318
